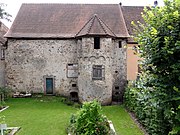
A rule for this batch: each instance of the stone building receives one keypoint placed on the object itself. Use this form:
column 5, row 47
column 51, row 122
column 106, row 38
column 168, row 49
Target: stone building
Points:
column 3, row 30
column 75, row 50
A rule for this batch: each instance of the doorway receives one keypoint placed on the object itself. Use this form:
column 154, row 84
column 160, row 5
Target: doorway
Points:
column 49, row 86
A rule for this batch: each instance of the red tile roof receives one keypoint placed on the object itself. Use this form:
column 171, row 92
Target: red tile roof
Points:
column 132, row 13
column 95, row 26
column 70, row 21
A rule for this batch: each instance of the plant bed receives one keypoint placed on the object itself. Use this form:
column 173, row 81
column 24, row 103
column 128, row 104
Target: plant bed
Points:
column 89, row 120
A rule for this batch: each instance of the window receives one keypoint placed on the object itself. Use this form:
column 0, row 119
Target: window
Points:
column 120, row 44
column 98, row 72
column 2, row 54
column 72, row 70
column 117, row 87
column 73, row 85
column 96, row 43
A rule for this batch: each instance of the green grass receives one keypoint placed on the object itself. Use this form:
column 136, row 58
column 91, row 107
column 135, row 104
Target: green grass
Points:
column 51, row 117
column 122, row 121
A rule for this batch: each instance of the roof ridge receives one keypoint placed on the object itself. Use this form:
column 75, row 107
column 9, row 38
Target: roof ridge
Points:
column 99, row 20
column 121, row 14
column 84, row 26
column 93, row 18
column 103, row 26
column 106, row 26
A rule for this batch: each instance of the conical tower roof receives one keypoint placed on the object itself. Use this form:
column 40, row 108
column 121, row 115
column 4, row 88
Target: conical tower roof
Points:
column 95, row 26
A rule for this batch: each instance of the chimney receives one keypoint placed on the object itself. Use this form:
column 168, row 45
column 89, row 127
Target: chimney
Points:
column 155, row 3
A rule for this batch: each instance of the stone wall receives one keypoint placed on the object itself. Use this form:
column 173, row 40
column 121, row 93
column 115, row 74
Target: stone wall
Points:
column 113, row 59
column 119, row 71
column 2, row 68
column 30, row 62
column 3, row 30
column 95, row 89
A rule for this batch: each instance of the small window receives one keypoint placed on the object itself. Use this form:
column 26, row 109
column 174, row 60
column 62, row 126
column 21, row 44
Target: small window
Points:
column 120, row 44
column 96, row 43
column 116, row 71
column 98, row 72
column 117, row 87
column 2, row 54
column 73, row 85
column 72, row 70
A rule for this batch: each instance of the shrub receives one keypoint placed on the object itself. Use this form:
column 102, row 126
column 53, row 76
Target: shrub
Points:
column 89, row 121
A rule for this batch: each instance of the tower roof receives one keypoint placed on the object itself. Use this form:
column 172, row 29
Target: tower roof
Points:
column 95, row 26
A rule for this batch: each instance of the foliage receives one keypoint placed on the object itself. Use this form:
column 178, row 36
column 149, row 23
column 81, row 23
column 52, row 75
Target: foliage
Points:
column 4, row 93
column 89, row 121
column 3, row 13
column 2, row 119
column 155, row 97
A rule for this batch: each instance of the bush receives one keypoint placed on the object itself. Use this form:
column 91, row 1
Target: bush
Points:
column 89, row 121
column 4, row 93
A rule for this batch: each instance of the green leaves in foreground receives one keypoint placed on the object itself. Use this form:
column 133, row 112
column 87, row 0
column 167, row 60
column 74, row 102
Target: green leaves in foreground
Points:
column 155, row 97
column 89, row 121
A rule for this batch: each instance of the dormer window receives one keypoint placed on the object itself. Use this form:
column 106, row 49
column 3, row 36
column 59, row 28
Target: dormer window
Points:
column 96, row 42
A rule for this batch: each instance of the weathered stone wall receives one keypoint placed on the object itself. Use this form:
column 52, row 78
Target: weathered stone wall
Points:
column 95, row 89
column 2, row 69
column 119, row 70
column 113, row 59
column 28, row 62
column 3, row 30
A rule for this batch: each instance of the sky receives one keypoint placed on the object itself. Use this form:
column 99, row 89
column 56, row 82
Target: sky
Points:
column 14, row 5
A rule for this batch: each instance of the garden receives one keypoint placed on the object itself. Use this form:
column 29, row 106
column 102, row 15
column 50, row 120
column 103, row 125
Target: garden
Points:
column 51, row 116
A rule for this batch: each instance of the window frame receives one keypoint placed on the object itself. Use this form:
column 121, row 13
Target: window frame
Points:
column 72, row 66
column 98, row 72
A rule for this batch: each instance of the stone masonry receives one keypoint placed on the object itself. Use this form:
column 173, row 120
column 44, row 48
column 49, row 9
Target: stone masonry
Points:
column 29, row 62
column 73, row 50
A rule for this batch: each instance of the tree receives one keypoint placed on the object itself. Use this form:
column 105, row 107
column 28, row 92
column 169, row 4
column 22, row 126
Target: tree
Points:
column 159, row 40
column 3, row 13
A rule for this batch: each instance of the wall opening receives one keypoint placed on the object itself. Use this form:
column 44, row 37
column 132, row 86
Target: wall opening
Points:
column 120, row 44
column 49, row 84
column 117, row 87
column 74, row 96
column 96, row 42
column 74, row 85
column 72, row 70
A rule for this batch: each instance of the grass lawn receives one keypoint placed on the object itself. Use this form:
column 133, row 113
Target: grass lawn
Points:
column 49, row 116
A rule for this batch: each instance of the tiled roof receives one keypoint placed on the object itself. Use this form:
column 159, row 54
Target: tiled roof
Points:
column 132, row 13
column 67, row 21
column 95, row 26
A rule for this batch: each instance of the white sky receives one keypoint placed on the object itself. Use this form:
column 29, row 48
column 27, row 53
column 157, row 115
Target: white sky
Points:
column 14, row 5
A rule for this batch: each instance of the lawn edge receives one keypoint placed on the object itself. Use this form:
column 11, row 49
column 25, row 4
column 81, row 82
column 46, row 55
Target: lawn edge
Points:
column 4, row 108
column 140, row 126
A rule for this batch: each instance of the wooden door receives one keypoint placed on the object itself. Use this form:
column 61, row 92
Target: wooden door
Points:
column 49, row 86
